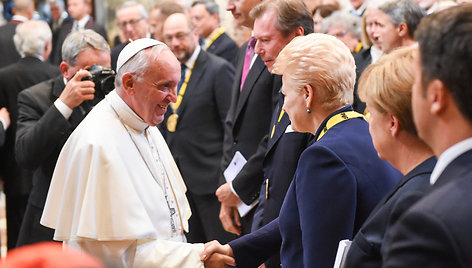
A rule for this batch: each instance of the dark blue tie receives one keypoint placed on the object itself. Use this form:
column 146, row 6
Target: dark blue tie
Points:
column 182, row 76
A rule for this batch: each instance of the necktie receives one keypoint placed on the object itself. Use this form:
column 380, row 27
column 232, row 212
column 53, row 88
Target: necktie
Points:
column 182, row 76
column 247, row 60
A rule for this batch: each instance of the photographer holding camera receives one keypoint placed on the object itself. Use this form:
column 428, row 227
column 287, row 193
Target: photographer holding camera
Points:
column 48, row 113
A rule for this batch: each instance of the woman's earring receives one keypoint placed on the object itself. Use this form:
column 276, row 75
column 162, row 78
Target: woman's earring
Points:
column 308, row 110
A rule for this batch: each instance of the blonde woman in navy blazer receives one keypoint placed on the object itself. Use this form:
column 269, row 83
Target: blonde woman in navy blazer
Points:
column 396, row 140
column 339, row 178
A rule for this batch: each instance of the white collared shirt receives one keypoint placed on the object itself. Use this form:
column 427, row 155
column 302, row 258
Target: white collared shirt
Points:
column 19, row 18
column 81, row 23
column 448, row 156
column 191, row 61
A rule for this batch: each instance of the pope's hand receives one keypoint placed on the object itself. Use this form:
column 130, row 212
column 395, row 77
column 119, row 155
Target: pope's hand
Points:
column 77, row 91
column 230, row 219
column 226, row 196
column 217, row 255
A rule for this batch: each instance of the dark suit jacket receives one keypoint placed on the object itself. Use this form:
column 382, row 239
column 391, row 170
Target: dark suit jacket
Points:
column 2, row 135
column 42, row 131
column 115, row 52
column 8, row 52
column 368, row 245
column 280, row 162
column 338, row 181
column 247, row 123
column 66, row 27
column 224, row 47
column 362, row 60
column 27, row 72
column 197, row 143
column 436, row 231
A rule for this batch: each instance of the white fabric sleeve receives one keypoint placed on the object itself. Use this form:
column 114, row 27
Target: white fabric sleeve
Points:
column 142, row 253
column 63, row 108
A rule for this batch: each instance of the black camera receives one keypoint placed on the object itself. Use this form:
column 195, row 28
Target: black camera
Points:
column 104, row 79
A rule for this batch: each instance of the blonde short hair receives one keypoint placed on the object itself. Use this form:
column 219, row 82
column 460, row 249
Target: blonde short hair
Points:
column 323, row 62
column 387, row 85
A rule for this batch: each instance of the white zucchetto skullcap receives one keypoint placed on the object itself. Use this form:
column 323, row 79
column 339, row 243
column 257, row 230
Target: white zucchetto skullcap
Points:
column 133, row 48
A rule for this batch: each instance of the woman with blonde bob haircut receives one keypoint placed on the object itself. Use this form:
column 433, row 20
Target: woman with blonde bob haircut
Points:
column 339, row 178
column 386, row 88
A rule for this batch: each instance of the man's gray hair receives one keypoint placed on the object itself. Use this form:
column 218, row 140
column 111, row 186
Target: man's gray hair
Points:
column 60, row 3
column 138, row 64
column 31, row 37
column 344, row 18
column 80, row 40
column 210, row 6
column 404, row 11
column 142, row 9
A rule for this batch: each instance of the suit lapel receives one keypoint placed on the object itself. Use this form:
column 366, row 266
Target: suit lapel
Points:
column 425, row 167
column 58, row 87
column 254, row 73
column 279, row 131
column 197, row 73
column 458, row 168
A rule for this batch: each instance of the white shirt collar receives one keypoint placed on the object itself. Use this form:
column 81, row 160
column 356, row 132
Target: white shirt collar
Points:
column 34, row 56
column 191, row 61
column 375, row 53
column 448, row 156
column 81, row 23
column 360, row 10
column 19, row 18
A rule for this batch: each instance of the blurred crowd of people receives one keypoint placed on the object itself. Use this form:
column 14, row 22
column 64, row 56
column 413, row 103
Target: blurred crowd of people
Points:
column 338, row 134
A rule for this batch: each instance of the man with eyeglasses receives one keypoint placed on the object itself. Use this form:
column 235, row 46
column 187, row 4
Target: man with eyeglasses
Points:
column 194, row 126
column 131, row 18
column 81, row 19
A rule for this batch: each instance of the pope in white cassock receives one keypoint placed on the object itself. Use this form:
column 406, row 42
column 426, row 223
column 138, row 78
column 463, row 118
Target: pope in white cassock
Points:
column 116, row 192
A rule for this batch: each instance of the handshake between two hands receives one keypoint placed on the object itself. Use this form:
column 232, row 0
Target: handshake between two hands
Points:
column 216, row 255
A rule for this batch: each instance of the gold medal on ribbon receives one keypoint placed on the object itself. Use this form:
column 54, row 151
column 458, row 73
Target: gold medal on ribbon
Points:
column 172, row 122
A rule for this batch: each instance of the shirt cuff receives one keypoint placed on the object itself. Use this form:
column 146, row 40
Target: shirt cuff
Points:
column 232, row 189
column 63, row 108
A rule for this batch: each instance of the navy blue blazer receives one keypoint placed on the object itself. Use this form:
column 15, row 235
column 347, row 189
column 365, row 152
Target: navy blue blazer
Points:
column 338, row 182
column 368, row 245
column 436, row 231
column 224, row 47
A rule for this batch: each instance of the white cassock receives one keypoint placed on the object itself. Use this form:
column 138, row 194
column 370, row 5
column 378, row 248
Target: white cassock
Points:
column 117, row 194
